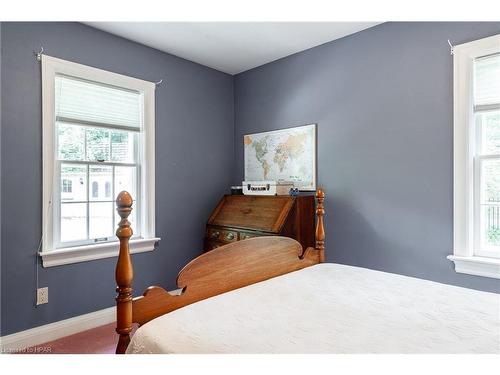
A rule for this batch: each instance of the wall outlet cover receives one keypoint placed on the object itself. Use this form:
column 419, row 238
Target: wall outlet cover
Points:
column 42, row 296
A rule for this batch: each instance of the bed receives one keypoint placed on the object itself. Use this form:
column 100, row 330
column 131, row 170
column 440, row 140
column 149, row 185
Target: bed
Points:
column 330, row 308
column 268, row 295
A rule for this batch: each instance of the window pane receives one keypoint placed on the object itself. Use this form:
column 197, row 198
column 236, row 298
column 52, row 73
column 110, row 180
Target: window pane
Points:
column 490, row 138
column 107, row 189
column 100, row 178
column 490, row 181
column 487, row 80
column 97, row 144
column 101, row 219
column 125, row 179
column 73, row 183
column 67, row 186
column 73, row 221
column 490, row 228
column 122, row 146
column 71, row 142
column 490, row 206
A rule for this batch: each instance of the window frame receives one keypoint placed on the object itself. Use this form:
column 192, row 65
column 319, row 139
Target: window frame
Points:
column 466, row 163
column 52, row 256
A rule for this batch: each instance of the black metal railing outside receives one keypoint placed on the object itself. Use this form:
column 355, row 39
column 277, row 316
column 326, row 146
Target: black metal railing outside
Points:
column 493, row 214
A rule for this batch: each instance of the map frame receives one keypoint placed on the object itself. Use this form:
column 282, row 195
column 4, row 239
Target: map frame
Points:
column 311, row 184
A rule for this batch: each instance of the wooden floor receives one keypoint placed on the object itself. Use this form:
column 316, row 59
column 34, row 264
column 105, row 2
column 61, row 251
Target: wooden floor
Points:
column 100, row 340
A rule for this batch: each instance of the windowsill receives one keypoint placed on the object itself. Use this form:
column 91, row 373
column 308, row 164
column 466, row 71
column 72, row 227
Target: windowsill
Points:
column 479, row 266
column 92, row 252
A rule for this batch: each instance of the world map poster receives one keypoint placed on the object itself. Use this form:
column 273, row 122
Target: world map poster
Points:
column 282, row 155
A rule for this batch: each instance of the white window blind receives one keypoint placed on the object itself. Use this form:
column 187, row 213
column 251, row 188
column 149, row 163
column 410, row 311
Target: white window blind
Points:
column 83, row 101
column 487, row 80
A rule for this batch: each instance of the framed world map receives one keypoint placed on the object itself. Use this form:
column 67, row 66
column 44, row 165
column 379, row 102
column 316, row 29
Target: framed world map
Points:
column 282, row 155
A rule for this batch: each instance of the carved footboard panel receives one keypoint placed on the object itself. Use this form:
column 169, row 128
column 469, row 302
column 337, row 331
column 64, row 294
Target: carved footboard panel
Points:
column 221, row 270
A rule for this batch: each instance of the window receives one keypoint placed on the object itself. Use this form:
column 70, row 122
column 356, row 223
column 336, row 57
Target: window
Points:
column 477, row 157
column 486, row 114
column 107, row 189
column 98, row 139
column 95, row 186
column 67, row 186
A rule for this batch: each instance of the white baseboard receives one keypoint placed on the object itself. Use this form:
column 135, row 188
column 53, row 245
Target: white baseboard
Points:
column 53, row 331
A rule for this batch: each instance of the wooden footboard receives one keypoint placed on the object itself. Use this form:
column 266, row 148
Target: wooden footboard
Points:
column 221, row 270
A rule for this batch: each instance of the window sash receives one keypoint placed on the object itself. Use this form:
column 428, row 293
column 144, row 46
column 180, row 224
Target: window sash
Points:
column 135, row 139
column 480, row 248
column 58, row 202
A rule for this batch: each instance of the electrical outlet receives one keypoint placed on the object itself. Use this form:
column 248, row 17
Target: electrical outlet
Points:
column 42, row 296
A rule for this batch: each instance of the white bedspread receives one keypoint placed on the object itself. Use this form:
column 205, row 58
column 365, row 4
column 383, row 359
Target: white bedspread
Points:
column 331, row 308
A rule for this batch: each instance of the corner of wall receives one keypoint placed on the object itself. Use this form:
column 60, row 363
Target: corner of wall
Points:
column 233, row 169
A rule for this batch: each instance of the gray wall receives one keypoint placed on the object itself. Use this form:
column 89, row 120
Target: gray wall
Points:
column 194, row 148
column 382, row 99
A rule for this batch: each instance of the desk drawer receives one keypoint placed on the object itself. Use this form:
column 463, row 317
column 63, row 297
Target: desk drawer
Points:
column 222, row 235
column 246, row 235
column 217, row 236
column 214, row 234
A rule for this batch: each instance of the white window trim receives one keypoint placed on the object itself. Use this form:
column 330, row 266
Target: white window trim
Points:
column 92, row 252
column 53, row 257
column 463, row 160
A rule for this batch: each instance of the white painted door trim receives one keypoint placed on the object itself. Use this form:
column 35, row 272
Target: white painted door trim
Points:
column 53, row 331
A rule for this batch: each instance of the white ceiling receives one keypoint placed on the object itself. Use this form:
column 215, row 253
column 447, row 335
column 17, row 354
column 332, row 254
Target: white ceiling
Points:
column 232, row 47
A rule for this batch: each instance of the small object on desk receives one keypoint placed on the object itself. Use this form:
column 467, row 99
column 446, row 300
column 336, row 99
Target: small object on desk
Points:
column 267, row 187
column 236, row 190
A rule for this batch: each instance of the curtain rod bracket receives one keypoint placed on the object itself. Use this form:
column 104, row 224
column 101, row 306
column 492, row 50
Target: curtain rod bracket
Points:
column 452, row 48
column 39, row 54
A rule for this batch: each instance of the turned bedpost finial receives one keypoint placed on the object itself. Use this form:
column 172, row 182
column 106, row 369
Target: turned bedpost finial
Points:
column 124, row 273
column 320, row 228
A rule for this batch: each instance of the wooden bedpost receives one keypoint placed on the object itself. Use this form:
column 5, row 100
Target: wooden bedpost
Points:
column 320, row 229
column 124, row 274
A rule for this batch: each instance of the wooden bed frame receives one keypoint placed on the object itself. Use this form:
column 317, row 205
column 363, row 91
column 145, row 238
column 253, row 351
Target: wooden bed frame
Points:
column 218, row 271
